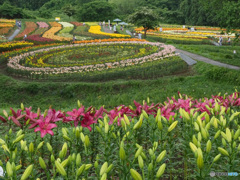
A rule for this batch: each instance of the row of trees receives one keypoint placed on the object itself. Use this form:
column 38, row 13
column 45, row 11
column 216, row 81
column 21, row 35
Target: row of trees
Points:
column 223, row 13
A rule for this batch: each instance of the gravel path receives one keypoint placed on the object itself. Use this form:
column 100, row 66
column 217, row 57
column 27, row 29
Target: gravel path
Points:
column 206, row 60
column 14, row 34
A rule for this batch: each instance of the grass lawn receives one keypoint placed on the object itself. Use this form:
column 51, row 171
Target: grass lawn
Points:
column 198, row 83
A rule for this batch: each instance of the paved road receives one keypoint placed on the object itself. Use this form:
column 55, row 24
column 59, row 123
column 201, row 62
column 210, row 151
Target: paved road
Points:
column 207, row 60
column 14, row 34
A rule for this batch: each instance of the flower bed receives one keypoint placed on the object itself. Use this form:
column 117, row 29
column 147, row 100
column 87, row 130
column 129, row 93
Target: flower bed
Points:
column 4, row 30
column 77, row 23
column 14, row 62
column 97, row 30
column 4, row 25
column 42, row 25
column 30, row 27
column 56, row 27
column 109, row 40
column 40, row 31
column 13, row 45
column 82, row 31
column 181, row 138
column 98, row 61
column 38, row 38
column 7, row 21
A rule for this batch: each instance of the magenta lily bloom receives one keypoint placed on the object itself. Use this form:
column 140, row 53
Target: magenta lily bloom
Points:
column 45, row 127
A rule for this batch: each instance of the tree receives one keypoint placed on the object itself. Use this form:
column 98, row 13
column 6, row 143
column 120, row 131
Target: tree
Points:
column 69, row 10
column 144, row 17
column 45, row 13
column 9, row 11
column 96, row 11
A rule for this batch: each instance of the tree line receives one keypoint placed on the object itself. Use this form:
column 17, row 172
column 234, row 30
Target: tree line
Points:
column 222, row 13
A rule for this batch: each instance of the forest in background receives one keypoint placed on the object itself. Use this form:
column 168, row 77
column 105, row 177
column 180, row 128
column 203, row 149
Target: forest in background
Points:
column 222, row 13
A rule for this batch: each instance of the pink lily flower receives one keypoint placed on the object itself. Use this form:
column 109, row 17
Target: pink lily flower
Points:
column 45, row 127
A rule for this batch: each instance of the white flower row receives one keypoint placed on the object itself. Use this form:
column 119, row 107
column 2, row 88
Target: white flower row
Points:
column 66, row 24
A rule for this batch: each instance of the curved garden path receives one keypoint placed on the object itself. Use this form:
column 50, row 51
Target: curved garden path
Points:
column 14, row 34
column 188, row 57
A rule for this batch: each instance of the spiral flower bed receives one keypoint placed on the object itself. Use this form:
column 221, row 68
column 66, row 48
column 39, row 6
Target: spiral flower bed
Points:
column 162, row 51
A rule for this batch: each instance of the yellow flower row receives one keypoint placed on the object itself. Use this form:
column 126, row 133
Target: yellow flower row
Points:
column 51, row 34
column 201, row 33
column 6, row 25
column 97, row 30
column 7, row 20
column 181, row 39
column 178, row 36
column 12, row 44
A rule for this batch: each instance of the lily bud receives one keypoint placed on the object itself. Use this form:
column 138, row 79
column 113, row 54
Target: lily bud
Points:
column 27, row 172
column 208, row 146
column 216, row 158
column 196, row 126
column 103, row 168
column 135, row 175
column 87, row 141
column 42, row 163
column 122, row 153
column 145, row 114
column 5, row 113
column 60, row 169
column 234, row 144
column 49, row 147
column 79, row 104
column 172, row 126
column 19, row 138
column 160, row 126
column 194, row 139
column 139, row 151
column 10, row 131
column 200, row 161
column 199, row 137
column 193, row 147
column 52, row 158
column 82, row 137
column 161, row 156
column 161, row 170
column 140, row 162
column 223, row 151
column 31, row 148
column 80, row 170
column 19, row 133
column 204, row 133
column 229, row 135
column 109, row 168
column 78, row 159
column 40, row 145
column 9, row 169
column 217, row 134
column 126, row 119
column 73, row 156
column 88, row 166
column 150, row 167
